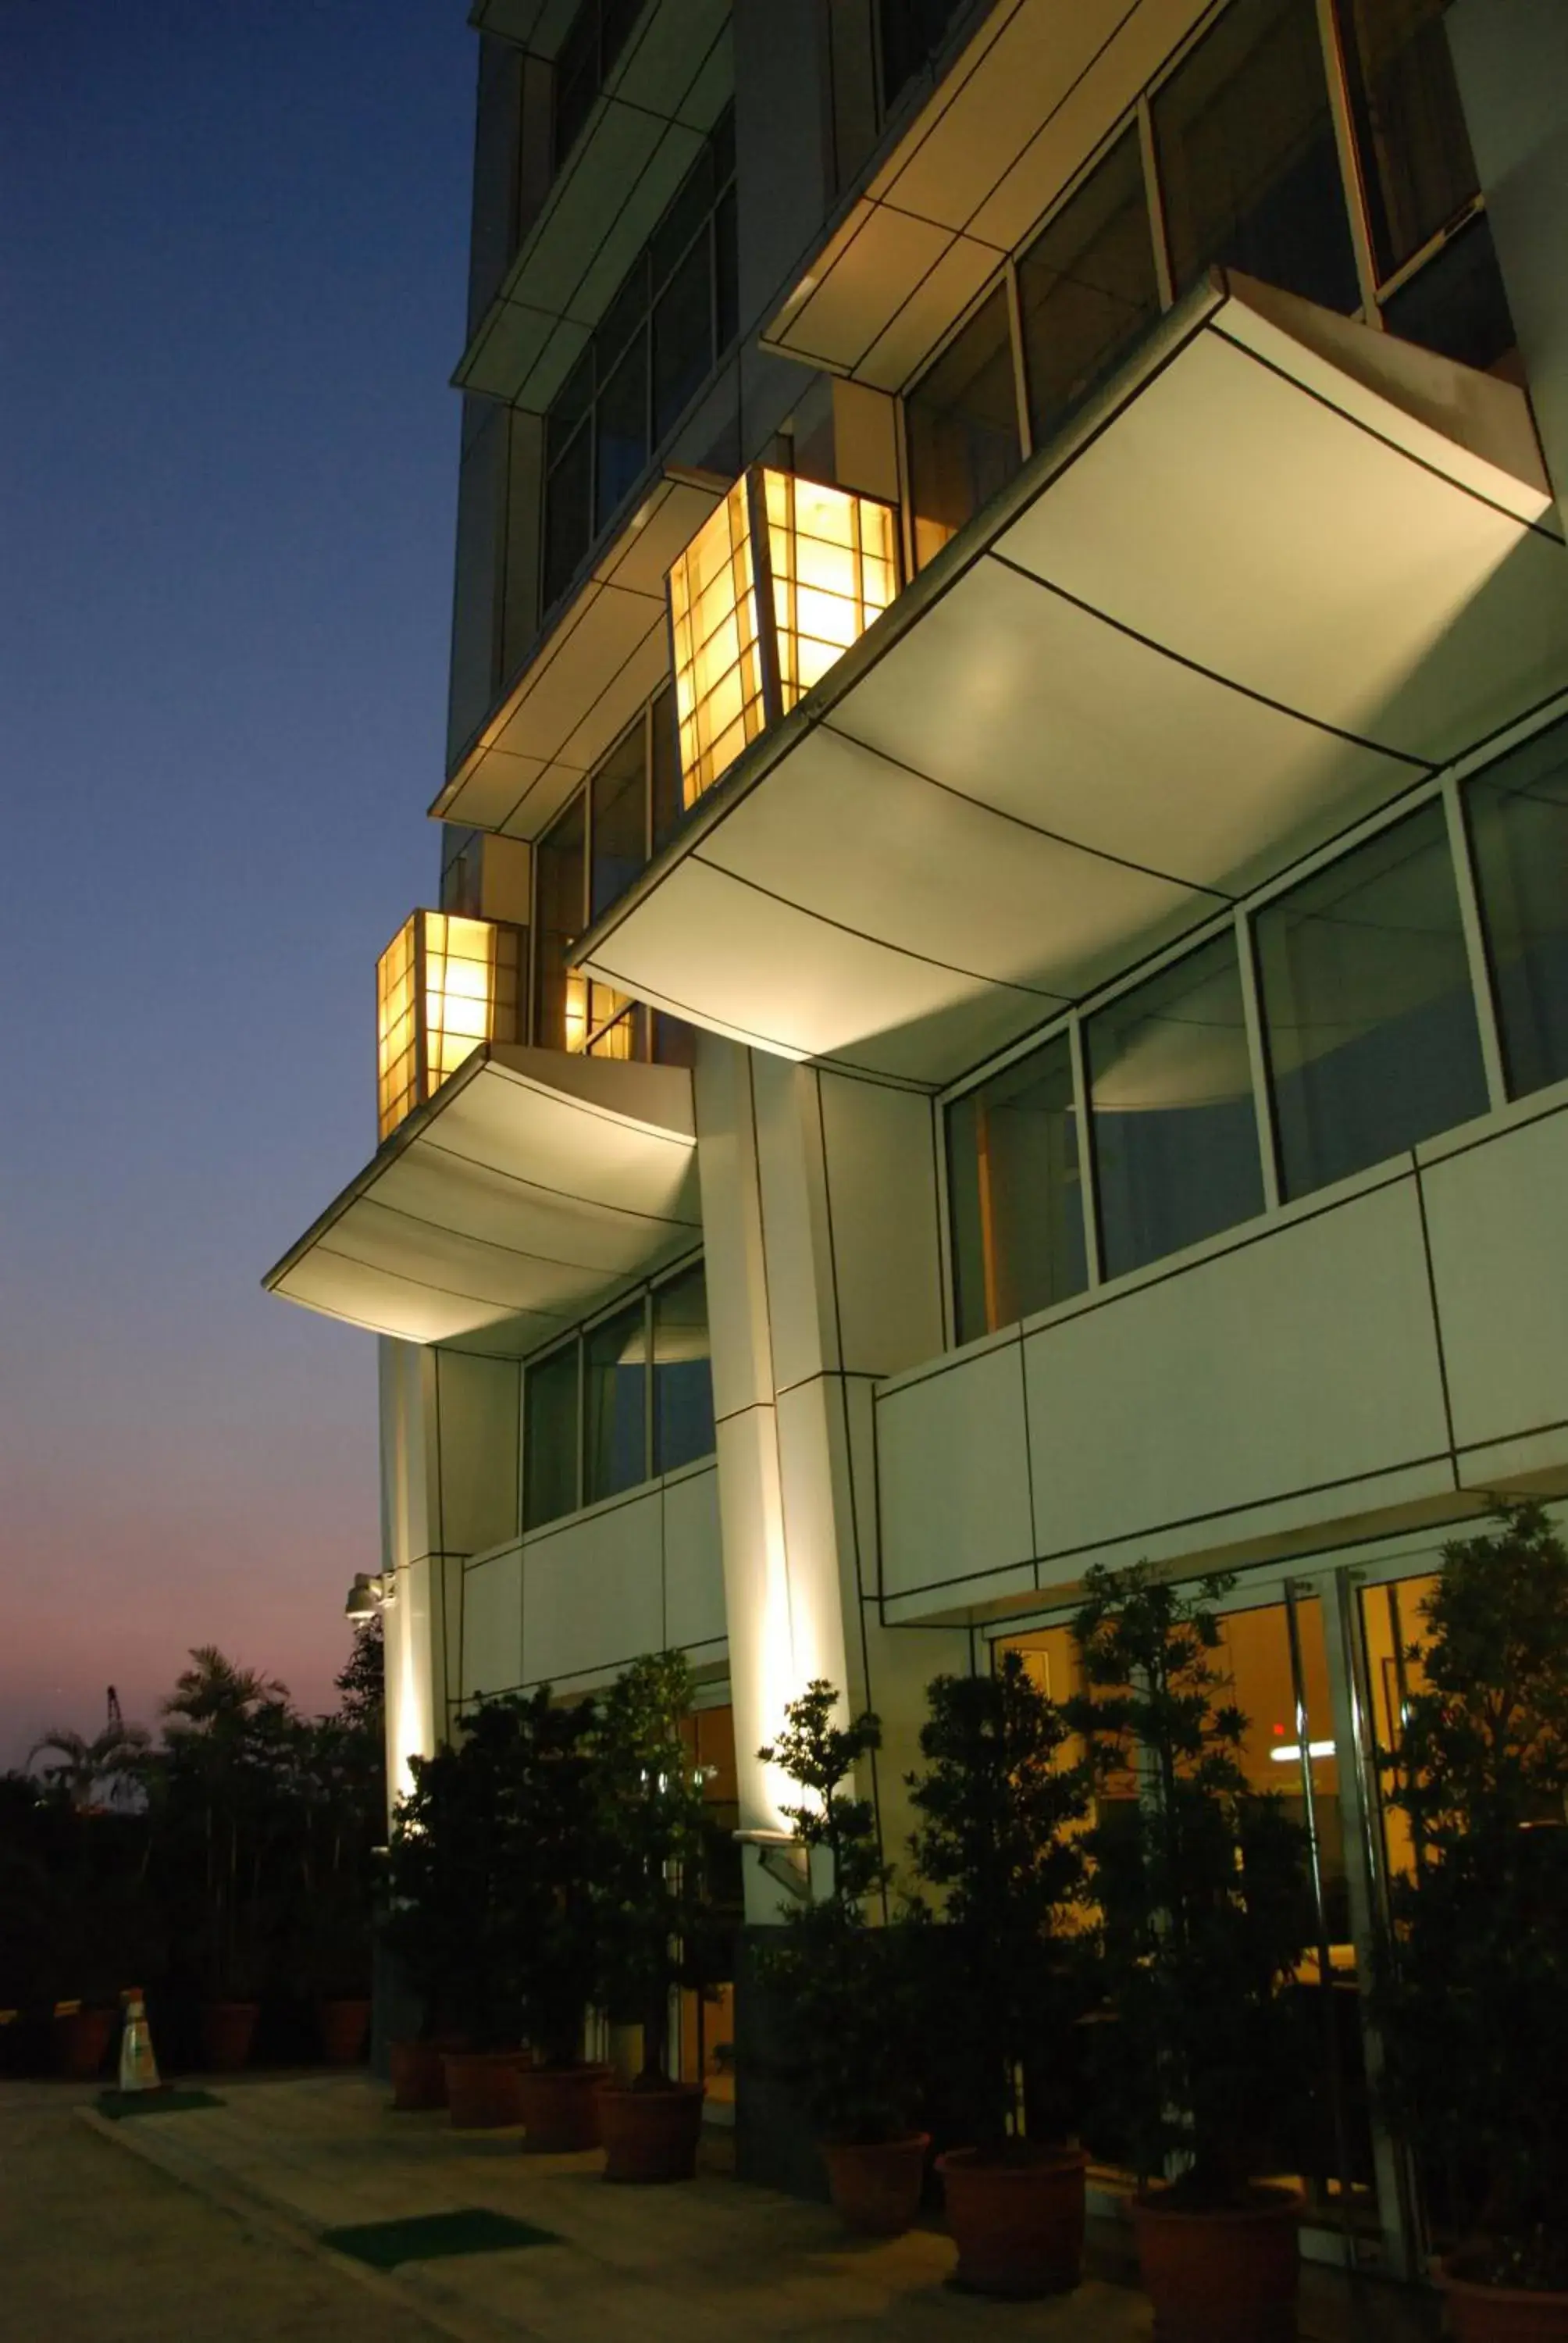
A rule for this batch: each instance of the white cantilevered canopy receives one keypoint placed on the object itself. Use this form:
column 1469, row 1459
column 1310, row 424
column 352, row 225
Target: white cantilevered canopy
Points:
column 607, row 653
column 1282, row 571
column 532, row 1187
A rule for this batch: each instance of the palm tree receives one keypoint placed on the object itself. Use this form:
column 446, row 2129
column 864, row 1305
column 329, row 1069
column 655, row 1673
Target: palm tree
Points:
column 80, row 1767
column 214, row 1692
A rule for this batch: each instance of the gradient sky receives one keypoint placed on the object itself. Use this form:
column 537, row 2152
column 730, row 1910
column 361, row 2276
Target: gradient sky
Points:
column 232, row 292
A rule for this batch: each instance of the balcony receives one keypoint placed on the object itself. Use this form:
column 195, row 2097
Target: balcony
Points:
column 444, row 986
column 1282, row 566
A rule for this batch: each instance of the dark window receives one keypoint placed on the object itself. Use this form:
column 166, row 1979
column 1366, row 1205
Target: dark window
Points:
column 1415, row 159
column 558, row 920
column 682, row 337
column 908, row 31
column 1368, row 1010
column 620, row 819
column 1016, row 1188
column 584, row 62
column 682, row 1373
column 1455, row 303
column 1518, row 813
column 620, row 424
column 614, row 1404
column 1248, row 166
column 725, row 271
column 550, row 1438
column 1175, row 1123
column 568, row 513
column 668, row 801
column 1087, row 286
column 962, row 425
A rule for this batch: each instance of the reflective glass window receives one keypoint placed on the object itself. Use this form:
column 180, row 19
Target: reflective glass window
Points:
column 1368, row 1010
column 1249, row 169
column 682, row 1373
column 550, row 1438
column 1087, row 286
column 620, row 429
column 558, row 900
column 568, row 514
column 614, row 1404
column 1456, row 302
column 682, row 335
column 908, row 32
column 1415, row 159
column 668, row 802
column 620, row 819
column 1175, row 1123
column 1015, row 1182
column 1518, row 814
column 961, row 419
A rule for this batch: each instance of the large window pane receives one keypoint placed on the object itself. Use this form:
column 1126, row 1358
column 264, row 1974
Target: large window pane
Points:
column 682, row 1373
column 1367, row 1006
column 1016, row 1193
column 620, row 431
column 568, row 514
column 668, row 802
column 1248, row 165
column 1456, row 302
column 1519, row 829
column 550, row 1438
column 559, row 1007
column 614, row 1404
column 1416, row 163
column 620, row 819
column 962, row 422
column 682, row 335
column 1087, row 286
column 1175, row 1124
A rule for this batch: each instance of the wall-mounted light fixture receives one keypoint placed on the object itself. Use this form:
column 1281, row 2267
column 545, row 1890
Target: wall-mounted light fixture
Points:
column 442, row 985
column 779, row 582
column 370, row 1593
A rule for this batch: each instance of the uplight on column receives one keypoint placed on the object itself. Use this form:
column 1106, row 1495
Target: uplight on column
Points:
column 776, row 585
column 443, row 986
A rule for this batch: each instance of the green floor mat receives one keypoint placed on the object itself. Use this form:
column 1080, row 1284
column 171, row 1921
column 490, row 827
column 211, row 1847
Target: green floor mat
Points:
column 117, row 2105
column 471, row 2230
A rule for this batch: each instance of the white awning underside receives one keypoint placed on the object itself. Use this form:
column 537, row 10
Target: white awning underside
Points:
column 606, row 655
column 1285, row 568
column 531, row 1188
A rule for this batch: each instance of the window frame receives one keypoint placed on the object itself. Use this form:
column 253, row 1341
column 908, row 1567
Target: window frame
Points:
column 576, row 1342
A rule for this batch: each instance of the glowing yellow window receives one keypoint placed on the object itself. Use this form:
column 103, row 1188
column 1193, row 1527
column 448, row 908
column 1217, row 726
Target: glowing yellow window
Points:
column 444, row 985
column 775, row 586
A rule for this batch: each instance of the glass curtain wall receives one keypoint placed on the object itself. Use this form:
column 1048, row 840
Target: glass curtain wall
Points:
column 1518, row 817
column 551, row 1415
column 614, row 1404
column 1087, row 286
column 683, row 1427
column 1015, row 1181
column 963, row 424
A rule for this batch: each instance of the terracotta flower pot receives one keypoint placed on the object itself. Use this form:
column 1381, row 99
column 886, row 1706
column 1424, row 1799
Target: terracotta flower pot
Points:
column 482, row 2089
column 344, row 2028
column 560, row 2107
column 1018, row 2223
column 876, row 2189
column 418, row 2074
column 1501, row 2313
column 227, row 2031
column 83, row 2038
column 1224, row 2276
column 651, row 2134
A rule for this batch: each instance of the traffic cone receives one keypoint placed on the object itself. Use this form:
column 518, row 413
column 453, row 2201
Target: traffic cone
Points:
column 138, row 2068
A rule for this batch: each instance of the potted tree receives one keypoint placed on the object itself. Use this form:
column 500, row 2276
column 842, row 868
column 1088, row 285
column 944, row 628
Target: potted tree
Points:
column 1204, row 1917
column 1473, row 1999
column 553, row 1914
column 652, row 1925
column 1000, row 1835
column 450, row 1919
column 846, row 1983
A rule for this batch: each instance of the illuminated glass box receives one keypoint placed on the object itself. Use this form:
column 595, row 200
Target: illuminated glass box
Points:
column 776, row 585
column 442, row 985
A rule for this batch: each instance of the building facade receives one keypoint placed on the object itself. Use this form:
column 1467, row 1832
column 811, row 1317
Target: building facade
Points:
column 998, row 996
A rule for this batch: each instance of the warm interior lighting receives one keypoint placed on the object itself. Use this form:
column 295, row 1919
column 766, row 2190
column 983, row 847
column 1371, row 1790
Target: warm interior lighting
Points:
column 818, row 563
column 1289, row 1753
column 443, row 986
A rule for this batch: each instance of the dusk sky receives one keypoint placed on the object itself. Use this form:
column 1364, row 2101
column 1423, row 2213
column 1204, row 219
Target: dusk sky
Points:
column 233, row 293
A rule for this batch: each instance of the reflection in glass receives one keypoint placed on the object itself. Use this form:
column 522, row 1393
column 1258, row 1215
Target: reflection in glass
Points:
column 620, row 429
column 682, row 337
column 1367, row 1006
column 550, row 1437
column 682, row 1373
column 1249, row 169
column 1518, row 814
column 1416, row 163
column 963, row 424
column 1016, row 1192
column 1456, row 302
column 620, row 819
column 614, row 1404
column 665, row 778
column 560, row 1002
column 568, row 514
column 1087, row 286
column 1175, row 1127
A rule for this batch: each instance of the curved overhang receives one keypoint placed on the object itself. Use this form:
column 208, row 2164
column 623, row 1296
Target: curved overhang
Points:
column 1283, row 569
column 646, row 128
column 607, row 653
column 532, row 1187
